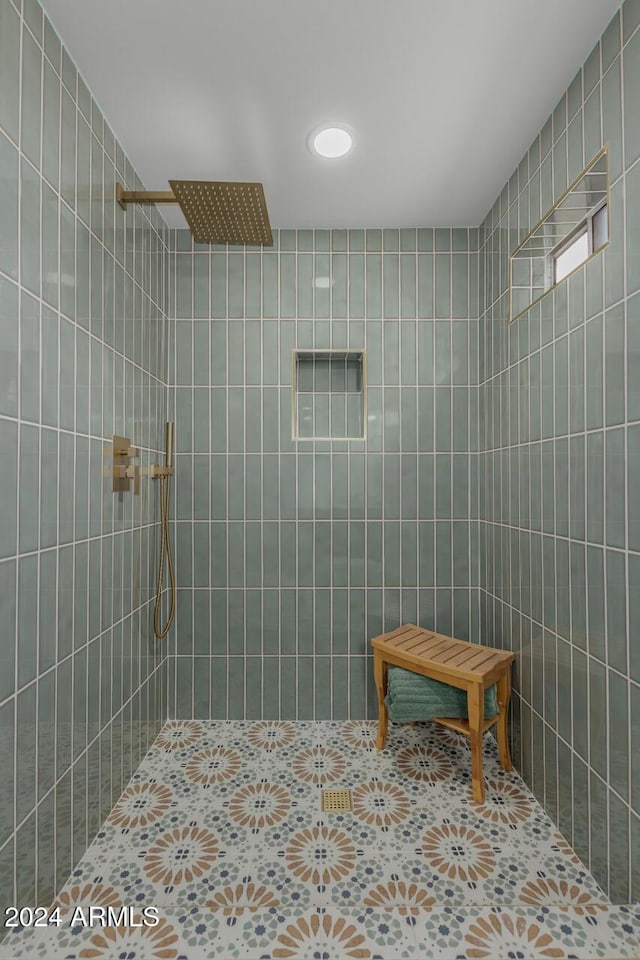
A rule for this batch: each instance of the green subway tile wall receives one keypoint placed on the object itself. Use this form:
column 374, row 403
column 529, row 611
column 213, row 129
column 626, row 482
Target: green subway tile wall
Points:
column 559, row 534
column 292, row 554
column 83, row 354
column 492, row 497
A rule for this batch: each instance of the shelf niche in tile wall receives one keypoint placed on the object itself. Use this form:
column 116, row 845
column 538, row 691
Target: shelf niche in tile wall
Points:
column 329, row 395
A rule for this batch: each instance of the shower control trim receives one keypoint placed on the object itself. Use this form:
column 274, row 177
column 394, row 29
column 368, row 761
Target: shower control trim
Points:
column 124, row 471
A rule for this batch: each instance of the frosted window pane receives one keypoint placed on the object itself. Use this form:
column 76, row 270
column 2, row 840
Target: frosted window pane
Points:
column 600, row 228
column 572, row 257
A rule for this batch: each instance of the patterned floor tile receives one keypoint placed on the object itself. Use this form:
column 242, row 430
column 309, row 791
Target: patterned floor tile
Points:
column 503, row 933
column 212, row 794
column 164, row 941
column 246, row 922
column 221, row 828
column 309, row 934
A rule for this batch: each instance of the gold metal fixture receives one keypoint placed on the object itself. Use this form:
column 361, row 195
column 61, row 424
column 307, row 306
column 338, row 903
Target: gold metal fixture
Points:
column 216, row 211
column 168, row 444
column 143, row 196
column 164, row 474
column 157, row 472
column 122, row 447
column 334, row 801
column 123, row 471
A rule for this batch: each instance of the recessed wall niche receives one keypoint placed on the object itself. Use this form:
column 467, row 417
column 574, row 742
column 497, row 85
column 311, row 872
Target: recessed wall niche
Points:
column 329, row 395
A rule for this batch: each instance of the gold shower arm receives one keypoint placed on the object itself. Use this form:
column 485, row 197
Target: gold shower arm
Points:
column 143, row 196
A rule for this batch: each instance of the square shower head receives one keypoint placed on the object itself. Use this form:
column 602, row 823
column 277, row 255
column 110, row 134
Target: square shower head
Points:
column 220, row 212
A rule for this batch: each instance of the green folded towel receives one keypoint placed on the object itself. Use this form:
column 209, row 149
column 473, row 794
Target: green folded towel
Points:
column 414, row 697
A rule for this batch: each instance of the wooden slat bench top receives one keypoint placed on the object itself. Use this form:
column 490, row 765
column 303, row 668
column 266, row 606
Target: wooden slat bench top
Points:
column 420, row 648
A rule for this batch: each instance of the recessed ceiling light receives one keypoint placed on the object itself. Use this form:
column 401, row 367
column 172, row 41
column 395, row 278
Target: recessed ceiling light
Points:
column 330, row 142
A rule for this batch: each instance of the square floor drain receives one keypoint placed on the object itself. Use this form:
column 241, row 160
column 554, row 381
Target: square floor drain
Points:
column 333, row 800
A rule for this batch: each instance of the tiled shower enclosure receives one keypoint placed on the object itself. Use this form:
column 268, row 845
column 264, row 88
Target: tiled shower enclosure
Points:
column 492, row 496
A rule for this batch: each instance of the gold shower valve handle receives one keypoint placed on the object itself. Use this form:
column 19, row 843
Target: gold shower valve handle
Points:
column 123, row 474
column 123, row 471
column 130, row 453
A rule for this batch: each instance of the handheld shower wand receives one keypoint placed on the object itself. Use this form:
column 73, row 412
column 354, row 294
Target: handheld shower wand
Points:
column 168, row 445
column 164, row 474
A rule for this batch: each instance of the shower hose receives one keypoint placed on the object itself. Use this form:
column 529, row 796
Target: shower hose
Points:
column 165, row 554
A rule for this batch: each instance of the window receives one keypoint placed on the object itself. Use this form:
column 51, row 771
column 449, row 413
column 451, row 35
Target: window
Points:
column 600, row 225
column 329, row 395
column 570, row 233
column 590, row 236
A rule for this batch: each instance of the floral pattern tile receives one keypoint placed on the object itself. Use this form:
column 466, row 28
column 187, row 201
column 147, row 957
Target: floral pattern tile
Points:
column 245, row 923
column 497, row 932
column 221, row 829
column 236, row 930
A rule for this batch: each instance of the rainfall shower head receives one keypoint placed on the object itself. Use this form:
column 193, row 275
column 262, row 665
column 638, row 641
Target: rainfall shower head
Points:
column 216, row 211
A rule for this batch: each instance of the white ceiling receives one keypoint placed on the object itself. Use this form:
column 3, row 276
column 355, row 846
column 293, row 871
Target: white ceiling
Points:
column 444, row 96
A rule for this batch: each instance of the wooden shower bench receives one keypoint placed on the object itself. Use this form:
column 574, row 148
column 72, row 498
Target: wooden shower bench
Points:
column 468, row 666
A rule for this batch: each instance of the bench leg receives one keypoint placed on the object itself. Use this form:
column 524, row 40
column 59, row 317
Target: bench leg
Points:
column 504, row 695
column 475, row 706
column 380, row 676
